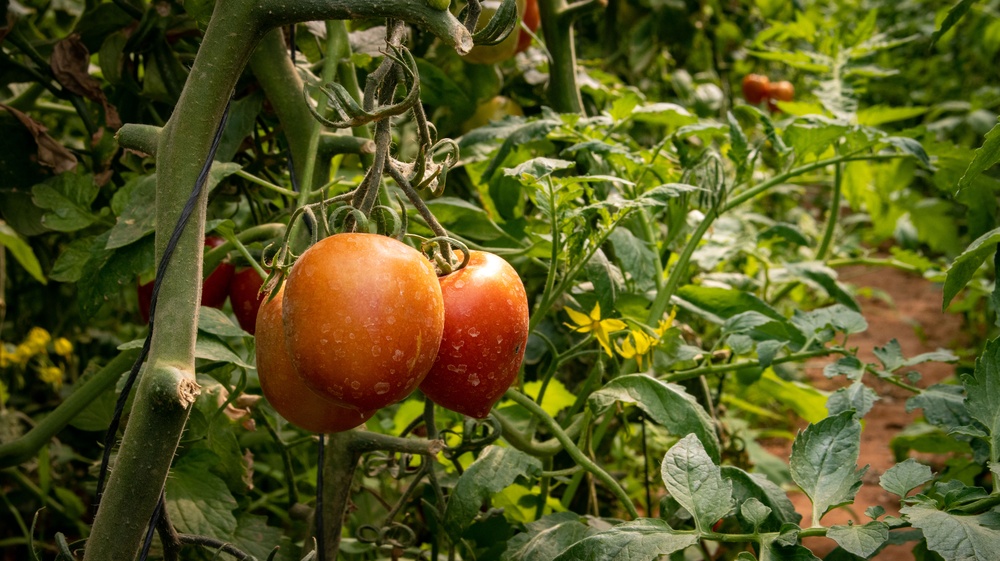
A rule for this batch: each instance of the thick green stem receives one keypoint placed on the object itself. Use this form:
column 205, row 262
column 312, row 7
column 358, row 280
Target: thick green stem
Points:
column 831, row 215
column 679, row 270
column 166, row 391
column 25, row 447
column 563, row 93
column 571, row 448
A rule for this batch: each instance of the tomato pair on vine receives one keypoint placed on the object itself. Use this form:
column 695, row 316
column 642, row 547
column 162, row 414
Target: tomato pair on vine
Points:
column 366, row 321
column 757, row 88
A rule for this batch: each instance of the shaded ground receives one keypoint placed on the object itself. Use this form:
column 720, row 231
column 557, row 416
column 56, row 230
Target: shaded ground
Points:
column 913, row 318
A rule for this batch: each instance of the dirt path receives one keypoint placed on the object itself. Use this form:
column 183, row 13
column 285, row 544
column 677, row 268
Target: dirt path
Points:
column 913, row 318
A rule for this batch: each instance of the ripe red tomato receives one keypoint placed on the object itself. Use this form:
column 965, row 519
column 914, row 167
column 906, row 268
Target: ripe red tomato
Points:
column 363, row 319
column 485, row 333
column 756, row 88
column 283, row 387
column 531, row 19
column 245, row 296
column 780, row 91
column 214, row 288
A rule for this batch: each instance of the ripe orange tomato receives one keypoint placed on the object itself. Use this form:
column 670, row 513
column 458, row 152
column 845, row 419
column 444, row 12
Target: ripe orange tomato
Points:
column 363, row 319
column 756, row 88
column 485, row 334
column 245, row 296
column 780, row 91
column 531, row 20
column 283, row 387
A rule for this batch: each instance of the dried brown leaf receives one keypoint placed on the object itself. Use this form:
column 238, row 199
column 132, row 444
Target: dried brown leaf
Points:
column 51, row 154
column 70, row 64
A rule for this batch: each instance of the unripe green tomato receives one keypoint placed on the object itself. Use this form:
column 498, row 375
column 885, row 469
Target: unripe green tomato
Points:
column 441, row 5
column 492, row 54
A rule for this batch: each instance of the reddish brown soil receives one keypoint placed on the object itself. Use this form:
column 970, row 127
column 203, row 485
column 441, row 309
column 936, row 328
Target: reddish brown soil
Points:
column 914, row 318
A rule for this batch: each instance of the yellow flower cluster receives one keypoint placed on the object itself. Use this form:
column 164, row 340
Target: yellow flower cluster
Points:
column 35, row 344
column 637, row 344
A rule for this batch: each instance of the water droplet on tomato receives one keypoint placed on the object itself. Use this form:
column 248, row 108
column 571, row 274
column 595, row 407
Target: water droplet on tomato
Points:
column 381, row 388
column 473, row 332
column 355, row 385
column 474, row 379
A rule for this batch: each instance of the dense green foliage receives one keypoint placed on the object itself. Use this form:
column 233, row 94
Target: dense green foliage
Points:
column 680, row 249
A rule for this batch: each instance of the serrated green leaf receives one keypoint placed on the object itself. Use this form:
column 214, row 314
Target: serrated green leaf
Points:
column 255, row 537
column 805, row 400
column 983, row 401
column 954, row 537
column 70, row 264
column 516, row 136
column 108, row 272
column 635, row 256
column 68, row 197
column 464, row 218
column 537, row 168
column 838, row 317
column 787, row 232
column 891, row 356
column 754, row 512
column 758, row 487
column 784, row 547
column 910, row 147
column 813, row 138
column 198, row 501
column 862, row 540
column 546, row 538
column 696, row 483
column 943, row 405
column 824, row 461
column 965, row 265
column 720, row 304
column 21, row 251
column 848, row 366
column 826, row 278
column 645, row 539
column 494, row 470
column 904, row 477
column 666, row 404
column 668, row 114
column 607, row 279
column 857, row 397
column 138, row 218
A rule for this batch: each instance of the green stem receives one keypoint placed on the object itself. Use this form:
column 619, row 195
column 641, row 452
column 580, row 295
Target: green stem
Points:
column 679, row 270
column 682, row 375
column 571, row 448
column 831, row 214
column 819, row 164
column 563, row 93
column 265, row 184
column 24, row 448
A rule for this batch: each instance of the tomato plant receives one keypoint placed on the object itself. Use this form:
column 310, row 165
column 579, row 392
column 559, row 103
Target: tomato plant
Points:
column 485, row 334
column 214, row 289
column 284, row 388
column 756, row 88
column 363, row 319
column 245, row 297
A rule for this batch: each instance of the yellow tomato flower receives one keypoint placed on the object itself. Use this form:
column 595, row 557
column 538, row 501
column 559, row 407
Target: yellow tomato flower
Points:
column 594, row 325
column 5, row 357
column 51, row 375
column 636, row 344
column 666, row 324
column 63, row 347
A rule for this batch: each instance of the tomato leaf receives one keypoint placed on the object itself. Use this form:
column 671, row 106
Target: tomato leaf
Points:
column 21, row 251
column 955, row 537
column 696, row 483
column 857, row 397
column 954, row 14
column 983, row 401
column 644, row 539
column 943, row 405
column 494, row 470
column 198, row 500
column 965, row 265
column 904, row 477
column 861, row 540
column 668, row 405
column 546, row 537
column 824, row 462
column 755, row 487
column 68, row 197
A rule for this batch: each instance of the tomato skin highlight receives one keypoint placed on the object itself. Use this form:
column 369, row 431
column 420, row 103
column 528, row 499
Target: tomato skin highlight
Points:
column 780, row 91
column 485, row 335
column 756, row 88
column 363, row 319
column 283, row 387
column 245, row 296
